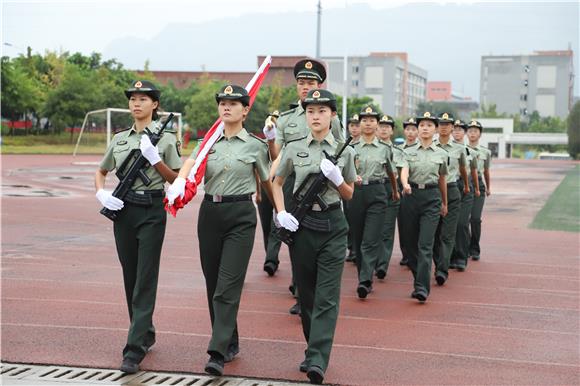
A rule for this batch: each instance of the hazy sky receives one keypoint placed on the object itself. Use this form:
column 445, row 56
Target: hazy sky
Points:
column 95, row 26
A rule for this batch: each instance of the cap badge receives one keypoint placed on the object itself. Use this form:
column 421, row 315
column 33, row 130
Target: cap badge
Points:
column 369, row 110
column 228, row 90
column 445, row 116
column 138, row 84
column 308, row 65
column 427, row 115
column 316, row 94
column 473, row 123
column 355, row 117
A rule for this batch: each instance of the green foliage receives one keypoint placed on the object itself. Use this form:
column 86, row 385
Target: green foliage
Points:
column 489, row 112
column 574, row 131
column 436, row 108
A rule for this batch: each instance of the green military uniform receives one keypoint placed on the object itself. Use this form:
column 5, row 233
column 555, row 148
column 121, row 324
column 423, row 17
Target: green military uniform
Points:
column 398, row 160
column 227, row 225
column 351, row 257
column 462, row 238
column 447, row 228
column 483, row 163
column 318, row 256
column 388, row 236
column 292, row 125
column 420, row 210
column 369, row 204
column 140, row 229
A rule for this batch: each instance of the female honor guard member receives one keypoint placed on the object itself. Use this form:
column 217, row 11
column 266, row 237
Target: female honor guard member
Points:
column 410, row 132
column 462, row 239
column 354, row 130
column 140, row 225
column 447, row 228
column 368, row 207
column 318, row 254
column 385, row 132
column 425, row 190
column 474, row 130
column 227, row 219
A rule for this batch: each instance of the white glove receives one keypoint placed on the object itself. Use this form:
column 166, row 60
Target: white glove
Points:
column 176, row 189
column 275, row 217
column 287, row 221
column 270, row 132
column 148, row 150
column 108, row 200
column 332, row 172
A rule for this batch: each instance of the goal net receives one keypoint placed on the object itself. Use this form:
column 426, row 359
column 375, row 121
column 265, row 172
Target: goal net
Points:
column 99, row 126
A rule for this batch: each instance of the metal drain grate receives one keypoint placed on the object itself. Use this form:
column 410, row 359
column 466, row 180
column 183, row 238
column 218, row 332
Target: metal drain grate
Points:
column 83, row 376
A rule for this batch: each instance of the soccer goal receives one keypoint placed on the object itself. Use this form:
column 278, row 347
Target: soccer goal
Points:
column 99, row 126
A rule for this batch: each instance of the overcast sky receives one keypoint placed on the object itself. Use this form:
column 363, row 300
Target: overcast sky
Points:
column 94, row 26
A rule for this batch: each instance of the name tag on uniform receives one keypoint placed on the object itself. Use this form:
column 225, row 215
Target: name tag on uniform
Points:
column 302, row 154
column 292, row 125
column 121, row 142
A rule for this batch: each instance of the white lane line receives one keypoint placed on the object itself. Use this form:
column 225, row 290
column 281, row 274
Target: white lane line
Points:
column 301, row 343
column 472, row 326
column 510, row 307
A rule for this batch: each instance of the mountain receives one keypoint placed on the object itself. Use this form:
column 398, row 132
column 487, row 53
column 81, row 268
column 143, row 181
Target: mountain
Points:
column 446, row 40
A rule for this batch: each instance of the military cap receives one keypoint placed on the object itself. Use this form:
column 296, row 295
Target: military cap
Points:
column 387, row 120
column 460, row 123
column 411, row 121
column 354, row 119
column 369, row 111
column 446, row 118
column 143, row 87
column 476, row 124
column 234, row 93
column 275, row 114
column 310, row 69
column 320, row 97
column 427, row 116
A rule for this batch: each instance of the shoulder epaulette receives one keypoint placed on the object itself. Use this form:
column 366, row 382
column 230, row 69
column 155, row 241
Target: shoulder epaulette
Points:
column 258, row 138
column 288, row 111
column 297, row 139
column 293, row 105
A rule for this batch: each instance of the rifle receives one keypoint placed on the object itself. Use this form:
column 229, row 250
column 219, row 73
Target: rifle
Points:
column 132, row 168
column 308, row 193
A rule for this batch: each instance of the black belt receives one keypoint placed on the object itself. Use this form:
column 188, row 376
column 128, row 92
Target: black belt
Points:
column 232, row 198
column 143, row 197
column 375, row 182
column 423, row 186
column 333, row 206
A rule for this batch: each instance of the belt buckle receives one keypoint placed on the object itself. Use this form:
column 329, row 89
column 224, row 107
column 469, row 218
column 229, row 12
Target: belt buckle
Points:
column 217, row 198
column 421, row 186
column 365, row 182
column 316, row 207
column 139, row 192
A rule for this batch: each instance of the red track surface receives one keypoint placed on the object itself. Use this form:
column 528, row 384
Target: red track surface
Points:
column 512, row 318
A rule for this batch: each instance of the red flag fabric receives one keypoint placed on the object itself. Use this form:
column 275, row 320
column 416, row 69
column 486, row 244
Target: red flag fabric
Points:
column 196, row 175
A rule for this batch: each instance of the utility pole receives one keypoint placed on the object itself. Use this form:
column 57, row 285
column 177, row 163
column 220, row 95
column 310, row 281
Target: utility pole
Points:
column 319, row 14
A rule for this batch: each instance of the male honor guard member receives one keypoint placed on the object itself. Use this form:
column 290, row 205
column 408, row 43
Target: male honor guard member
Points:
column 139, row 227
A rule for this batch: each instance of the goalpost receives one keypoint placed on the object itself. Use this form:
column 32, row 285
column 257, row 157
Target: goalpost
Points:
column 99, row 126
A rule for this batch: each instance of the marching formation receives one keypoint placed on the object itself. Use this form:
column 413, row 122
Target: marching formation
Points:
column 330, row 198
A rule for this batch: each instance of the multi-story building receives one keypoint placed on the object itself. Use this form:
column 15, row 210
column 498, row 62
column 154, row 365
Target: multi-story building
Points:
column 522, row 84
column 395, row 85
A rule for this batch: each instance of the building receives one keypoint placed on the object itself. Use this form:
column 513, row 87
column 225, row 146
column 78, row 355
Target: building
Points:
column 395, row 85
column 438, row 91
column 522, row 84
column 281, row 72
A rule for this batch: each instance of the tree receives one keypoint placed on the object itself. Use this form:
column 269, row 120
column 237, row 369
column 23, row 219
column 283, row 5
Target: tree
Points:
column 574, row 131
column 77, row 93
column 201, row 110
